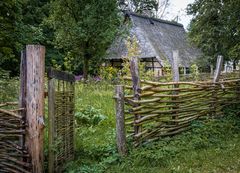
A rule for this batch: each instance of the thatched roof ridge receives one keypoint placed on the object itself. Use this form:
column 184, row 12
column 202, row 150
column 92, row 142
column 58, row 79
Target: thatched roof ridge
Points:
column 129, row 14
column 156, row 38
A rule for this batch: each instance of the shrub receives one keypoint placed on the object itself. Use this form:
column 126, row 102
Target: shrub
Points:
column 108, row 73
column 89, row 116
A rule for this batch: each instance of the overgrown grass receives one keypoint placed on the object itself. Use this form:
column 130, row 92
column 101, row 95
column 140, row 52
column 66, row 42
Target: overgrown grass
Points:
column 9, row 88
column 211, row 146
column 95, row 134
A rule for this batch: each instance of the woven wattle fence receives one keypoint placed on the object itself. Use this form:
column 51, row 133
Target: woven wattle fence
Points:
column 61, row 119
column 165, row 109
column 13, row 155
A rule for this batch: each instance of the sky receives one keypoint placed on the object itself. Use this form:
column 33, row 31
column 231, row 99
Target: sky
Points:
column 178, row 8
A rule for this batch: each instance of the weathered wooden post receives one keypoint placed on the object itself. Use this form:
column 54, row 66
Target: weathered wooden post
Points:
column 216, row 79
column 218, row 68
column 136, row 89
column 175, row 70
column 51, row 124
column 175, row 66
column 120, row 120
column 22, row 93
column 23, row 79
column 35, row 58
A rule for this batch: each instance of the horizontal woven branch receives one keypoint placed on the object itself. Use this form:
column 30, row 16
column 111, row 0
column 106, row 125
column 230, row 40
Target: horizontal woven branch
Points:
column 13, row 156
column 168, row 108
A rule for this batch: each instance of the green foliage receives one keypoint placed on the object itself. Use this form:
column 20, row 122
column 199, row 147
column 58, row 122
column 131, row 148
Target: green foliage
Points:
column 145, row 5
column 89, row 116
column 194, row 72
column 151, row 7
column 9, row 42
column 84, row 28
column 74, row 30
column 215, row 29
column 21, row 24
column 108, row 73
column 9, row 87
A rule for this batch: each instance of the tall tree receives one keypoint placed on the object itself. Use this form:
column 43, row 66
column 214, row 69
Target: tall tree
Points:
column 20, row 24
column 84, row 28
column 9, row 42
column 156, row 8
column 215, row 27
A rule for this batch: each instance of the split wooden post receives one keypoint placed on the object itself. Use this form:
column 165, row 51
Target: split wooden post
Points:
column 51, row 124
column 175, row 70
column 175, row 66
column 22, row 94
column 136, row 89
column 218, row 68
column 120, row 120
column 216, row 79
column 23, row 80
column 35, row 57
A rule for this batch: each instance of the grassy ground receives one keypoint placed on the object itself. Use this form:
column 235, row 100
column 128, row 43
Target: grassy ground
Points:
column 211, row 146
column 9, row 89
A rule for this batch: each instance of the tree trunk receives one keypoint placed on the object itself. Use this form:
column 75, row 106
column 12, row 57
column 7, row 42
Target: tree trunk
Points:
column 85, row 67
column 234, row 64
column 211, row 70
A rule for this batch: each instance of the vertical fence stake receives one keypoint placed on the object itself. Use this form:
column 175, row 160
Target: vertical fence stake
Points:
column 216, row 79
column 136, row 89
column 51, row 128
column 120, row 120
column 22, row 94
column 218, row 68
column 175, row 66
column 175, row 79
column 23, row 78
column 35, row 57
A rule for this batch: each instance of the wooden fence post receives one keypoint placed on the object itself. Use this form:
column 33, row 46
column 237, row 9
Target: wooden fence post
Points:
column 120, row 120
column 175, row 66
column 175, row 70
column 218, row 68
column 136, row 88
column 51, row 127
column 35, row 58
column 216, row 79
column 22, row 93
column 23, row 79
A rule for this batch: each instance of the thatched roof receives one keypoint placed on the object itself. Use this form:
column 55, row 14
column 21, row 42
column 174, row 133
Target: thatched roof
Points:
column 156, row 38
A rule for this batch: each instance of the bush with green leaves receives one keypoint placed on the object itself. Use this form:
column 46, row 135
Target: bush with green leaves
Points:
column 108, row 73
column 89, row 116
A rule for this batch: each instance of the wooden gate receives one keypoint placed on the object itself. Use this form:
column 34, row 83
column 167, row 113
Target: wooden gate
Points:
column 61, row 119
